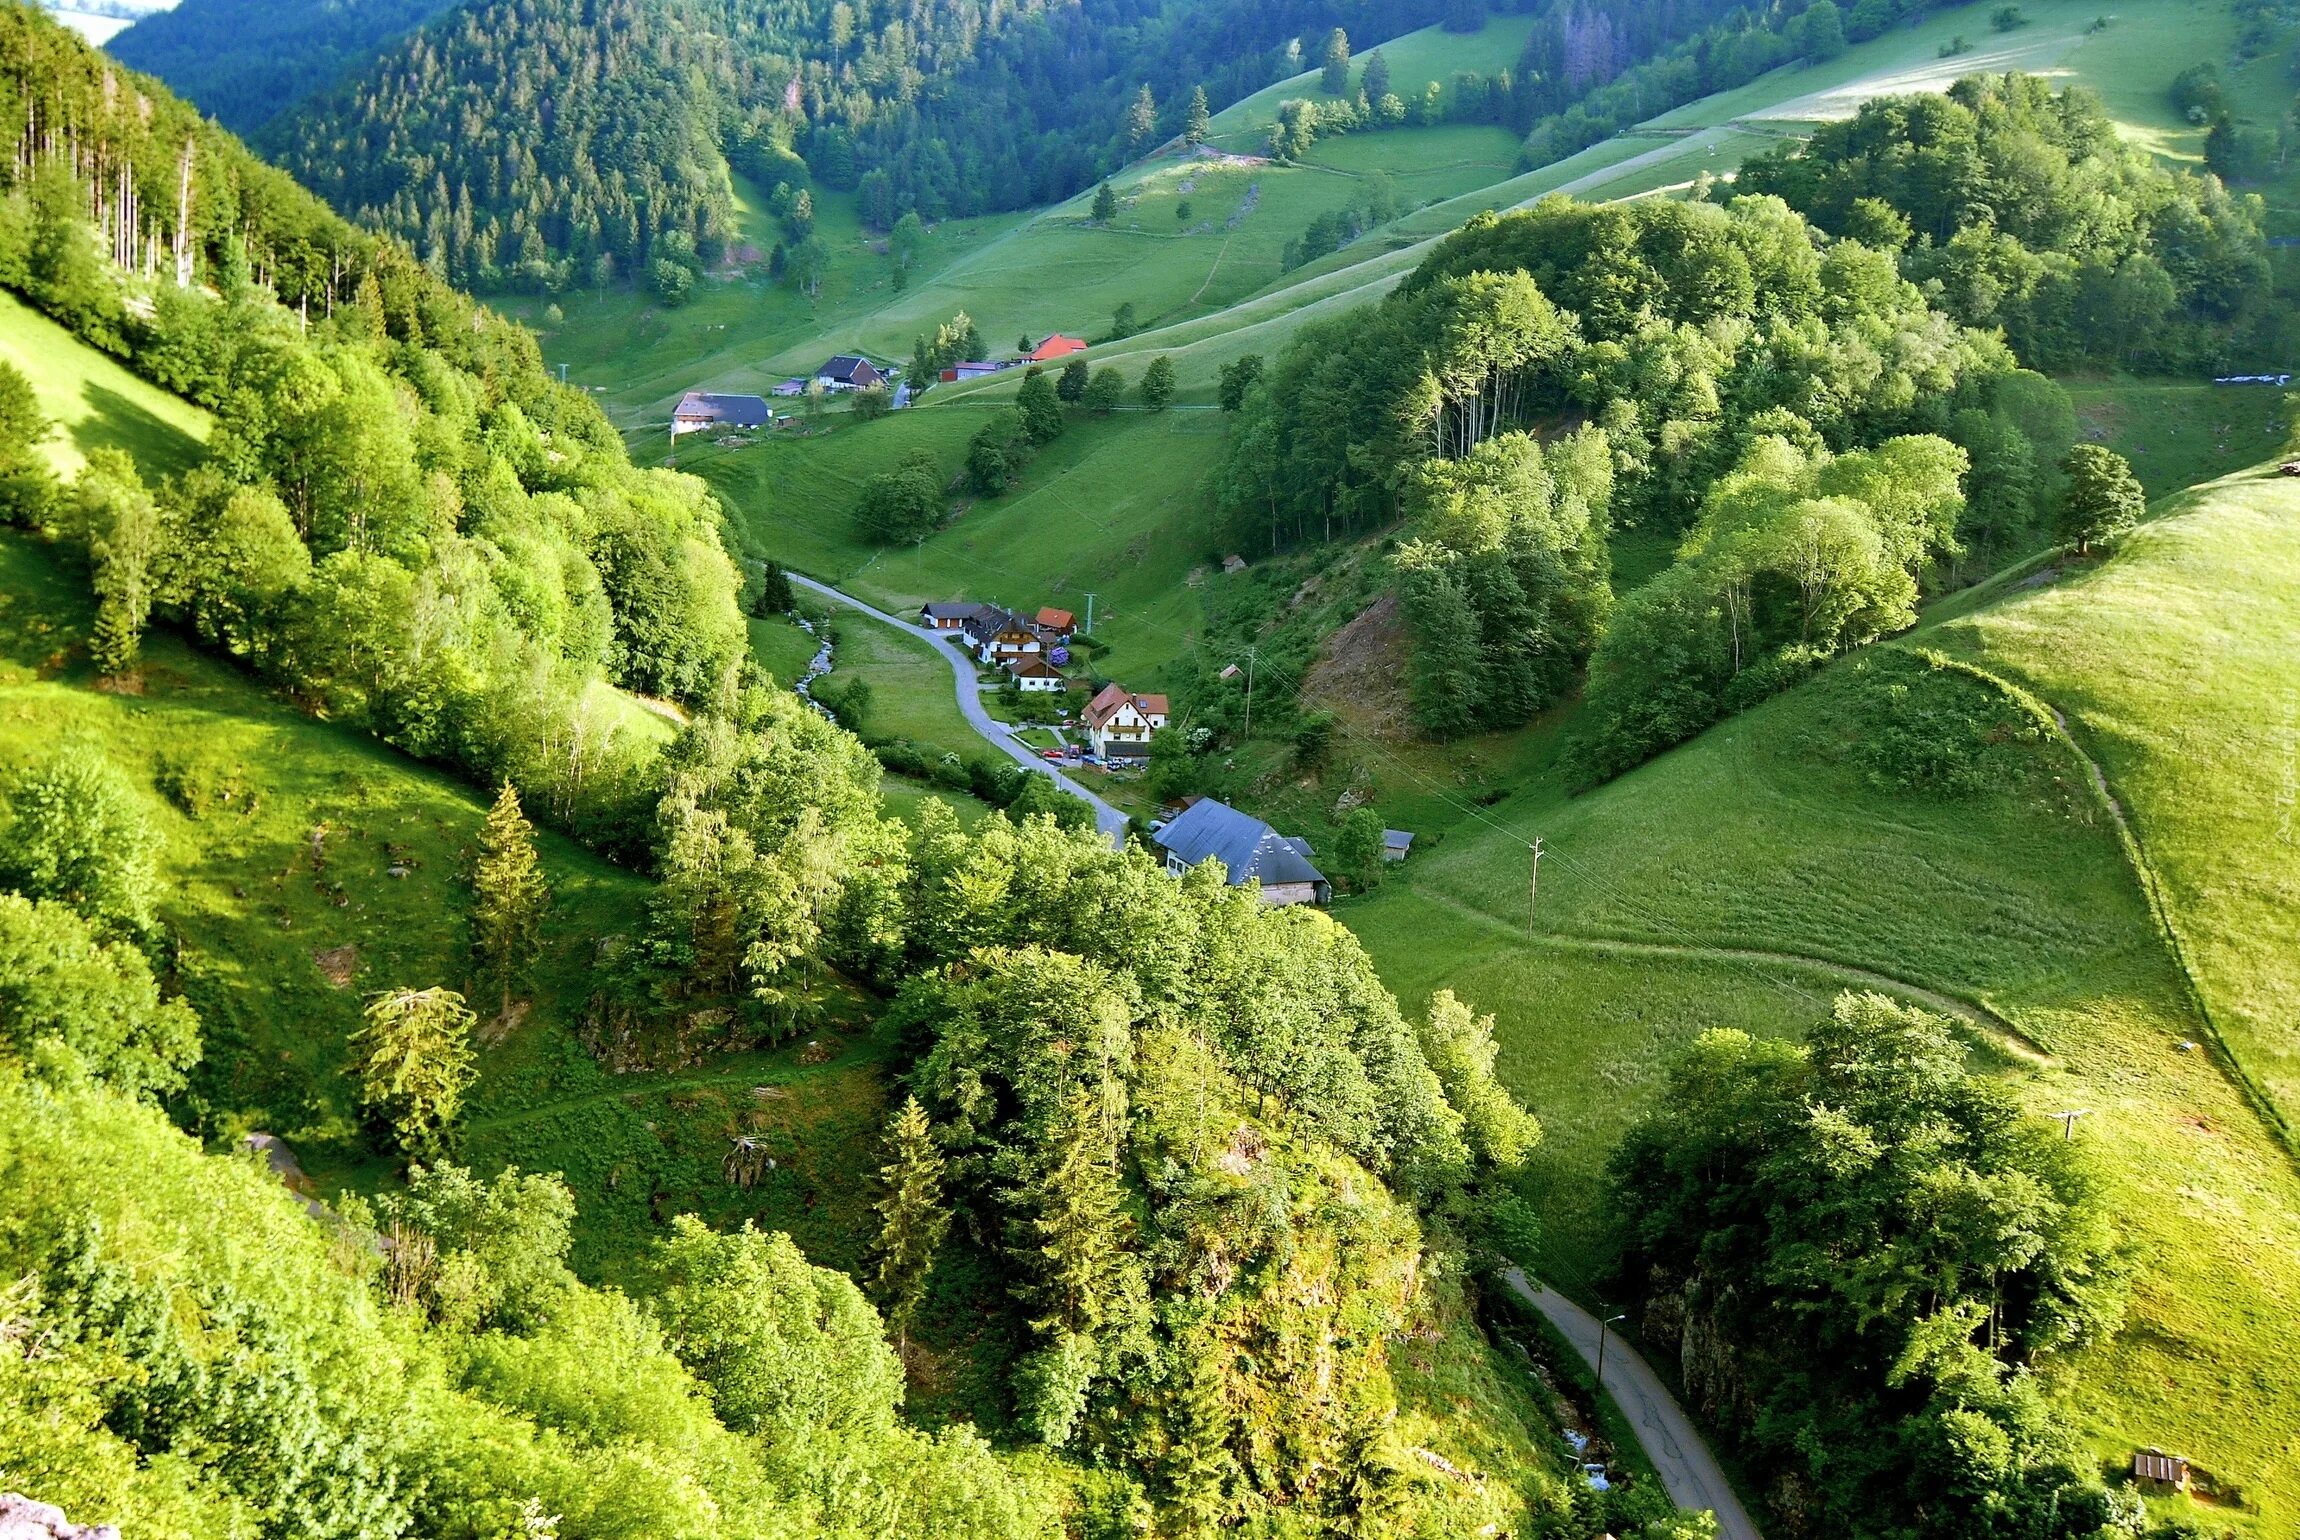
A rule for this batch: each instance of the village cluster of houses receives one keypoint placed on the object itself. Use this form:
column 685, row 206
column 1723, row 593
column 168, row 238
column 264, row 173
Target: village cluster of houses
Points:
column 1053, row 349
column 1033, row 650
column 702, row 410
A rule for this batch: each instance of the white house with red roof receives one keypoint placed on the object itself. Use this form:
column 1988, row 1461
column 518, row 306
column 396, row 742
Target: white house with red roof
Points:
column 1119, row 722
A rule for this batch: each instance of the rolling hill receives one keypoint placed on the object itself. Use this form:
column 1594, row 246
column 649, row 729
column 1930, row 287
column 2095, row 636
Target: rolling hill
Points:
column 1743, row 878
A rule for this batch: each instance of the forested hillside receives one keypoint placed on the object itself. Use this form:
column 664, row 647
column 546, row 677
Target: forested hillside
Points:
column 1189, row 1198
column 965, row 110
column 245, row 63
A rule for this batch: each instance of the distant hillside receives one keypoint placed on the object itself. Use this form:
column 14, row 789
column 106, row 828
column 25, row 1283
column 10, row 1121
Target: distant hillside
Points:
column 246, row 61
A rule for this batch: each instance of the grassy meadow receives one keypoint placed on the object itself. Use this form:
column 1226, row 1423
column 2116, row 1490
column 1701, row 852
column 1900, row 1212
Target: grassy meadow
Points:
column 1111, row 508
column 1742, row 879
column 2177, row 665
column 94, row 401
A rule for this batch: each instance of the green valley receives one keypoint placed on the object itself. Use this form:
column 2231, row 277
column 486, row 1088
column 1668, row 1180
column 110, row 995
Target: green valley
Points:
column 1667, row 902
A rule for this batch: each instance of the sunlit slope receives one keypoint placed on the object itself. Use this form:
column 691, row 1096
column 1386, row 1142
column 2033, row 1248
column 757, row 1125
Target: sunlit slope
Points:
column 2177, row 665
column 93, row 399
column 1742, row 879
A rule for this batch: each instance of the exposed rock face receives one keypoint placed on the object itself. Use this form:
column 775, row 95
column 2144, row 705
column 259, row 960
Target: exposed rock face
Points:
column 23, row 1519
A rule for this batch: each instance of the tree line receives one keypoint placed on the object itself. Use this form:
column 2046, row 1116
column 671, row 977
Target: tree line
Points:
column 1547, row 377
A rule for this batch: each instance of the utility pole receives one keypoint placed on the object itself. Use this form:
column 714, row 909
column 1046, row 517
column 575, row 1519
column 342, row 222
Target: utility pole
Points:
column 1601, row 1325
column 1533, row 881
column 1089, row 614
column 1249, row 694
column 2068, row 1122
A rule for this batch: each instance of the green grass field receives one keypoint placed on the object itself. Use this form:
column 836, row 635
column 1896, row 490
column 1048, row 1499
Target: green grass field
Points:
column 2177, row 663
column 1110, row 508
column 94, row 401
column 912, row 697
column 1741, row 879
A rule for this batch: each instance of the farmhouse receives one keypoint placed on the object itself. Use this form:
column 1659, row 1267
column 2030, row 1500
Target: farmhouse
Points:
column 700, row 409
column 951, row 615
column 1119, row 722
column 848, row 371
column 1054, row 624
column 1057, row 346
column 1248, row 849
column 1034, row 675
column 1000, row 636
column 972, row 371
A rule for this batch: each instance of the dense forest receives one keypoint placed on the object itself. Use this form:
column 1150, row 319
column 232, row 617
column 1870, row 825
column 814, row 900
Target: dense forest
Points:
column 1727, row 374
column 964, row 109
column 402, row 518
column 243, row 64
column 1866, row 1337
column 2019, row 207
column 1190, row 1165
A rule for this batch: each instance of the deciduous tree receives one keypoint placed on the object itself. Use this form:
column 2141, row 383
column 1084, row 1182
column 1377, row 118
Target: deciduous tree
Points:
column 1157, row 386
column 2102, row 499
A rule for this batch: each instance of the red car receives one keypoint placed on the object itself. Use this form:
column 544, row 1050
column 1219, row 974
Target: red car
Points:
column 1053, row 754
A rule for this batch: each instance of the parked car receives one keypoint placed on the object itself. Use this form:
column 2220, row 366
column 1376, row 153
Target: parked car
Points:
column 1054, row 754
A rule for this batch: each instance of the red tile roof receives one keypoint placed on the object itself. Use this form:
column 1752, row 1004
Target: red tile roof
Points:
column 1057, row 346
column 1057, row 620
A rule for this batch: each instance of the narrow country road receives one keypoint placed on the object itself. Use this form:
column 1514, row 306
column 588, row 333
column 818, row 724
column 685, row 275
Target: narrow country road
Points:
column 1689, row 1472
column 1108, row 819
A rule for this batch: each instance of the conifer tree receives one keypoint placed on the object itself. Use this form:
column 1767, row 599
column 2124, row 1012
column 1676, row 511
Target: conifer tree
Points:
column 1375, row 82
column 414, row 1063
column 1141, row 120
column 1199, row 1465
column 1078, row 1229
column 912, row 1216
column 1337, row 62
column 1105, row 204
column 1071, row 387
column 510, row 895
column 1198, row 120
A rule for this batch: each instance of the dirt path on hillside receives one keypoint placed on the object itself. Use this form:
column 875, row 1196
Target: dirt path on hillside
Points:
column 2000, row 1032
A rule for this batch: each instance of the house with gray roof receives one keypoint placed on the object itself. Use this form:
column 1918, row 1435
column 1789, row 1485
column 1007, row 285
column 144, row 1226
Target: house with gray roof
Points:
column 701, row 409
column 1248, row 849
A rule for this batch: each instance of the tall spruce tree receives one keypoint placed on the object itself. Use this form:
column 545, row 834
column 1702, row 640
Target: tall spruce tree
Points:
column 1141, row 121
column 509, row 896
column 912, row 1217
column 1199, row 1466
column 1105, row 204
column 414, row 1064
column 1078, row 1229
column 1198, row 120
column 1375, row 82
column 1337, row 63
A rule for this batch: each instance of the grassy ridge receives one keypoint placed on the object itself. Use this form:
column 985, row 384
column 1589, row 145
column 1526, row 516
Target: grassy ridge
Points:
column 94, row 401
column 1732, row 883
column 2177, row 664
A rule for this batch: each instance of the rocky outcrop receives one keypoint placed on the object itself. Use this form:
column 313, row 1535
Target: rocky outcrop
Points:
column 23, row 1519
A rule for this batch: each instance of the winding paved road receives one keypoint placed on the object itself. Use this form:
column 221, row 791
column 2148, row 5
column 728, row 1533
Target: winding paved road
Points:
column 994, row 732
column 1689, row 1472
